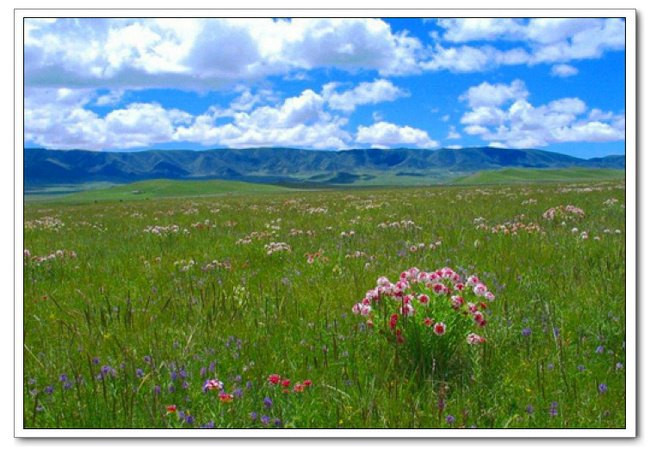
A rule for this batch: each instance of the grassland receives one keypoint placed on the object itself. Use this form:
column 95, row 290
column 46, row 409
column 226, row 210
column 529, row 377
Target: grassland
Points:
column 129, row 307
column 523, row 175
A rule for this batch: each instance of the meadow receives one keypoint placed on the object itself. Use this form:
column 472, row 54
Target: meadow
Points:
column 246, row 310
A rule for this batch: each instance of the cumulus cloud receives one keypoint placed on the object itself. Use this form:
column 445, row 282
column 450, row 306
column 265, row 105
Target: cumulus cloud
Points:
column 546, row 40
column 563, row 70
column 385, row 134
column 508, row 119
column 206, row 54
column 374, row 92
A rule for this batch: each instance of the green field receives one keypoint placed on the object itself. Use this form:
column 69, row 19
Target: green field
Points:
column 131, row 306
column 523, row 175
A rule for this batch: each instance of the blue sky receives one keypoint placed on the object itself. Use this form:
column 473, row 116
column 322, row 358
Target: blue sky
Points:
column 135, row 84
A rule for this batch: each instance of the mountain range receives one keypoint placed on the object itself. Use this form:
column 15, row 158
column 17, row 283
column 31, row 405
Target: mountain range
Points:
column 287, row 165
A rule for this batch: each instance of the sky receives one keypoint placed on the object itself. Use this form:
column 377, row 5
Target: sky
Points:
column 137, row 84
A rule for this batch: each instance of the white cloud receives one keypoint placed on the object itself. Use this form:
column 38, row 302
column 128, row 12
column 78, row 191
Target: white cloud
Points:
column 522, row 125
column 374, row 92
column 453, row 134
column 563, row 70
column 385, row 134
column 550, row 40
column 207, row 53
column 487, row 94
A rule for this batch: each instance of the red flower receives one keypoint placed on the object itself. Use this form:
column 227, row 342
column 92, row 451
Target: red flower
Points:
column 428, row 322
column 369, row 323
column 171, row 409
column 440, row 328
column 400, row 338
column 307, row 382
column 225, row 397
column 286, row 383
column 274, row 379
column 393, row 321
column 299, row 388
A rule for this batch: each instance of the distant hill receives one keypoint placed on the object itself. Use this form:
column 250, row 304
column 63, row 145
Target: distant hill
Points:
column 518, row 175
column 285, row 165
column 152, row 189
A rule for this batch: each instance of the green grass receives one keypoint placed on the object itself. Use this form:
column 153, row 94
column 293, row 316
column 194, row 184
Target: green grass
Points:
column 153, row 189
column 127, row 293
column 517, row 175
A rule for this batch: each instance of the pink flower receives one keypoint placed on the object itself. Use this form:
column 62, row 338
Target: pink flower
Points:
column 393, row 321
column 439, row 328
column 407, row 309
column 423, row 299
column 489, row 296
column 428, row 322
column 480, row 289
column 285, row 383
column 439, row 288
column 457, row 301
column 459, row 286
column 473, row 338
column 274, row 379
column 383, row 281
column 473, row 280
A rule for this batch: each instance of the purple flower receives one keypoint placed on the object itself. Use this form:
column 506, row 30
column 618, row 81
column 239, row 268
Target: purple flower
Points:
column 602, row 388
column 171, row 389
column 253, row 415
column 173, row 375
column 265, row 420
column 249, row 385
column 185, row 385
column 556, row 331
column 527, row 331
column 147, row 359
column 619, row 365
column 156, row 390
column 95, row 360
column 268, row 402
column 550, row 366
column 63, row 378
column 181, row 415
column 238, row 378
column 49, row 389
column 530, row 409
column 139, row 372
column 238, row 392
column 182, row 373
column 553, row 409
column 450, row 419
column 189, row 419
column 212, row 367
column 67, row 386
column 277, row 422
column 210, row 424
column 581, row 368
column 600, row 349
column 203, row 371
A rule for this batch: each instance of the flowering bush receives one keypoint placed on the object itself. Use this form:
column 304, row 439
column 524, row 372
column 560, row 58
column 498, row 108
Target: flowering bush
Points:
column 430, row 315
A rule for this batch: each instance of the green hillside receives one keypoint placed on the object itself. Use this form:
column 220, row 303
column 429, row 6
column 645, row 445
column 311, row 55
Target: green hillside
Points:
column 523, row 175
column 151, row 189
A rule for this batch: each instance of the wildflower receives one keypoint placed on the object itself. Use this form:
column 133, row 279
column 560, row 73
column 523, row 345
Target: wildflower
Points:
column 527, row 331
column 156, row 390
column 602, row 388
column 267, row 402
column 147, row 359
column 171, row 409
column 473, row 338
column 298, row 387
column 450, row 419
column 63, row 378
column 423, row 299
column 139, row 373
column 274, row 379
column 238, row 393
column 265, row 420
column 285, row 383
column 600, row 349
column 393, row 321
column 530, row 409
column 210, row 424
column 428, row 322
column 307, row 382
column 619, row 365
column 225, row 397
column 581, row 368
column 212, row 384
column 399, row 337
column 49, row 390
column 189, row 419
column 553, row 412
column 439, row 328
column 277, row 422
column 253, row 415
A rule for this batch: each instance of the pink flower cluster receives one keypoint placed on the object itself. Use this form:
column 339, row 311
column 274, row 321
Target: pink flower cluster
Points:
column 433, row 300
column 568, row 211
